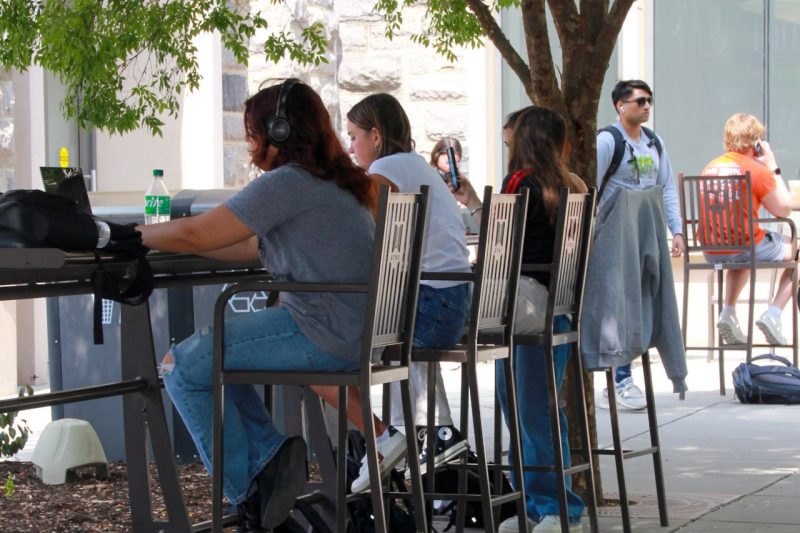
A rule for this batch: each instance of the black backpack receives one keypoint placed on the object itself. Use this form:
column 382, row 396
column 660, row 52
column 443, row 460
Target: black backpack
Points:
column 775, row 384
column 619, row 152
column 399, row 519
column 37, row 219
column 446, row 481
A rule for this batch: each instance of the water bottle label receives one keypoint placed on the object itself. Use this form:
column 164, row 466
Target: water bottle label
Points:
column 157, row 205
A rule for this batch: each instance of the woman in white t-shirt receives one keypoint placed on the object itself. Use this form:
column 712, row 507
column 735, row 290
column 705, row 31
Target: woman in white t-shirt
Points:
column 380, row 140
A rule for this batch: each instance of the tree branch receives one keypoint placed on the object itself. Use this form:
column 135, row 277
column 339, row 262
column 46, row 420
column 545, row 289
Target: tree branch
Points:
column 500, row 41
column 544, row 87
column 593, row 15
column 566, row 19
column 607, row 37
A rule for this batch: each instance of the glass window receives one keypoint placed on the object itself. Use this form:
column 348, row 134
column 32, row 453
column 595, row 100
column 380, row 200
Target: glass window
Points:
column 784, row 85
column 708, row 64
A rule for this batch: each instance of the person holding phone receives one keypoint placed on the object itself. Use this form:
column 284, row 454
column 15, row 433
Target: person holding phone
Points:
column 380, row 140
column 747, row 151
column 440, row 160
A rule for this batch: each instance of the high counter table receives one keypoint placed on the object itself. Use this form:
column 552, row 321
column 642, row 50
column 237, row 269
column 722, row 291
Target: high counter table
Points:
column 46, row 272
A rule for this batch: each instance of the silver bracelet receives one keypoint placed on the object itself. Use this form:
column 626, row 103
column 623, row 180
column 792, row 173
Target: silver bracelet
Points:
column 103, row 233
column 472, row 213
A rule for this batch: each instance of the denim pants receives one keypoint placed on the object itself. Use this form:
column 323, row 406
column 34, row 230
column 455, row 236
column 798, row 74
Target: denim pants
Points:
column 440, row 323
column 534, row 422
column 266, row 340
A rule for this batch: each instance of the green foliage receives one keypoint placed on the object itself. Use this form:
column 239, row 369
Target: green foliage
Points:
column 9, row 486
column 450, row 23
column 13, row 432
column 124, row 63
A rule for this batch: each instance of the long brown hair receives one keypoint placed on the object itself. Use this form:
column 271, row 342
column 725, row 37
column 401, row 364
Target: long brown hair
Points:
column 539, row 137
column 312, row 143
column 384, row 113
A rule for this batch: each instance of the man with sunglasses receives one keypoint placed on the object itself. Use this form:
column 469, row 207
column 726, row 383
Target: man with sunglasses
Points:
column 644, row 164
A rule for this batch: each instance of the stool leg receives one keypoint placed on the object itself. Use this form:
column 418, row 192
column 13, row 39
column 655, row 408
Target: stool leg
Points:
column 580, row 392
column 375, row 481
column 618, row 452
column 480, row 451
column 461, row 508
column 719, row 338
column 341, row 464
column 420, row 509
column 654, row 440
column 555, row 437
column 515, row 447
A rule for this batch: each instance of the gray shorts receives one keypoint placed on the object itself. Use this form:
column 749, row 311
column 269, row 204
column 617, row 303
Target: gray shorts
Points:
column 768, row 250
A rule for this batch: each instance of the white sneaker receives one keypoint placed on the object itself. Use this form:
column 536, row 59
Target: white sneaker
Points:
column 629, row 396
column 771, row 329
column 730, row 331
column 392, row 451
column 551, row 523
column 511, row 525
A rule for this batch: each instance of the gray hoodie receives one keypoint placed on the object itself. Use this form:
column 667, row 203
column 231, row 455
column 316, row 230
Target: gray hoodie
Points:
column 629, row 301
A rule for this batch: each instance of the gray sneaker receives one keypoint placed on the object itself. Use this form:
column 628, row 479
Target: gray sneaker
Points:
column 730, row 331
column 771, row 329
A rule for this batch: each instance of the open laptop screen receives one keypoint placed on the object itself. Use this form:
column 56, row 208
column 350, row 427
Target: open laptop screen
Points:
column 67, row 182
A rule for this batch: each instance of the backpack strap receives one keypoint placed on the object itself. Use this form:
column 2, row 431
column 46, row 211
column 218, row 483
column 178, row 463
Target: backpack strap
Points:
column 616, row 158
column 653, row 138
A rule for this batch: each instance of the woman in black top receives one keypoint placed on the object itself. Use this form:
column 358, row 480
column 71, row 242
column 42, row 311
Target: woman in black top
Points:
column 538, row 148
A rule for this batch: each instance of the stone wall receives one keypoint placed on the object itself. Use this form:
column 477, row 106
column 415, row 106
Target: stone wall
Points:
column 6, row 131
column 362, row 61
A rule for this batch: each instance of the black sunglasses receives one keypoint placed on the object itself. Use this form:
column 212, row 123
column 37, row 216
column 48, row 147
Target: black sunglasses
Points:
column 641, row 101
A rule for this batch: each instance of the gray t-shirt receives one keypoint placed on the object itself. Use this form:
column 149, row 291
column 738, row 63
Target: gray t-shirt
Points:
column 310, row 230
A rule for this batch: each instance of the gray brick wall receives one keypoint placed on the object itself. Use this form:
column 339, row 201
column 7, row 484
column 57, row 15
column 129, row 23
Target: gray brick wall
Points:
column 6, row 131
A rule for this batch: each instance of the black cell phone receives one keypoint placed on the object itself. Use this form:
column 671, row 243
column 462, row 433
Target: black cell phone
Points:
column 758, row 150
column 451, row 160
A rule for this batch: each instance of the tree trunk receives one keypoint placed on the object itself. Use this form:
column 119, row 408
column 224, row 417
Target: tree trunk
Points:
column 587, row 38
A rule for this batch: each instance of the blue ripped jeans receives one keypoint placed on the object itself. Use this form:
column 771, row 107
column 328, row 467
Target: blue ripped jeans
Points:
column 534, row 425
column 266, row 340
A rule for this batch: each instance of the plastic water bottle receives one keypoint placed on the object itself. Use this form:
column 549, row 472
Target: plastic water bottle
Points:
column 157, row 201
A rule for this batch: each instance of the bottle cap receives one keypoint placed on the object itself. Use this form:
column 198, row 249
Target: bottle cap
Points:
column 157, row 172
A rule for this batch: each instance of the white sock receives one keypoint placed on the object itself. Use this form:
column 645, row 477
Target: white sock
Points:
column 775, row 312
column 728, row 311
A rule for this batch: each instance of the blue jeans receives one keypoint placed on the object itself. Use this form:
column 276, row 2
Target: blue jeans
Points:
column 621, row 373
column 440, row 323
column 534, row 422
column 266, row 340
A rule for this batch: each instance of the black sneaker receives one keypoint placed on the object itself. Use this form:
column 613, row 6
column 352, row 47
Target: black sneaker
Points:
column 282, row 481
column 449, row 444
column 249, row 512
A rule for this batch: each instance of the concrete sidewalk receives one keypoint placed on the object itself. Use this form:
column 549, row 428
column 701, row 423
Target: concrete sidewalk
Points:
column 728, row 467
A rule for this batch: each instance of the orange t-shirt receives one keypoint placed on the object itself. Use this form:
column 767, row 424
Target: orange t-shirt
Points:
column 762, row 182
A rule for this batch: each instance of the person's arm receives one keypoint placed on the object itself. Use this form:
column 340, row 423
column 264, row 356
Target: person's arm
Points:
column 216, row 233
column 467, row 197
column 779, row 201
column 672, row 207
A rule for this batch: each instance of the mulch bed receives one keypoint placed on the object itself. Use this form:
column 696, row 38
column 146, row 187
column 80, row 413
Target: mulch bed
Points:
column 87, row 503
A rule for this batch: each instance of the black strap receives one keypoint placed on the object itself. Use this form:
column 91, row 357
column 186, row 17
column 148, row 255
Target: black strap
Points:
column 771, row 357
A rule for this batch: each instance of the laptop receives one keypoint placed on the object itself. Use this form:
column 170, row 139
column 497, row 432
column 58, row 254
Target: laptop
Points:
column 67, row 182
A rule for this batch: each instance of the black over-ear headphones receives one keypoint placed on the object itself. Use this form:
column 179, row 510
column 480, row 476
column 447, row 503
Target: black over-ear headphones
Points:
column 278, row 128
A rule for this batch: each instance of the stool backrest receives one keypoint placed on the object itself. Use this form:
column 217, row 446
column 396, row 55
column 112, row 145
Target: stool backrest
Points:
column 573, row 237
column 394, row 279
column 498, row 260
column 717, row 213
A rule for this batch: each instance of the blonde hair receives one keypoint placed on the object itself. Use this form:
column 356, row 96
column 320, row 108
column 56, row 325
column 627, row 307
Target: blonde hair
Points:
column 741, row 133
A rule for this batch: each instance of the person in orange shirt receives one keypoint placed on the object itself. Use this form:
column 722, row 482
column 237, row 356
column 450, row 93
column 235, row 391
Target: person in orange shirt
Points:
column 747, row 151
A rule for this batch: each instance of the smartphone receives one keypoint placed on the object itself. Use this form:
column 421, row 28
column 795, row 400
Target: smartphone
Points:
column 758, row 150
column 451, row 160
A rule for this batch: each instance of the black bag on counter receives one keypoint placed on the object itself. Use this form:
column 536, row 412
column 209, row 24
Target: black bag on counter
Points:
column 37, row 219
